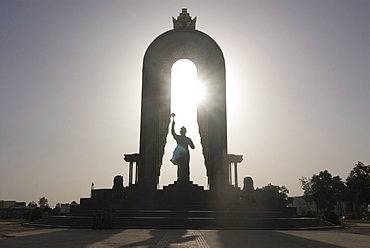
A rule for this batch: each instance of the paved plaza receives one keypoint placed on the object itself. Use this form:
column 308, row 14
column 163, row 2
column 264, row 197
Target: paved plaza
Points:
column 55, row 238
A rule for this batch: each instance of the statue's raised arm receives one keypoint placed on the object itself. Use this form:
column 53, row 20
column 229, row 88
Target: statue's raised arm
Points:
column 173, row 129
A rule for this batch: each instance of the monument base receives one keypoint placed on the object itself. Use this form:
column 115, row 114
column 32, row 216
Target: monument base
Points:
column 180, row 205
column 176, row 196
column 183, row 196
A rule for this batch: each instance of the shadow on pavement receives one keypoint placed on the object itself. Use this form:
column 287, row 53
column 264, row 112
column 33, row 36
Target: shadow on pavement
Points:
column 163, row 238
column 264, row 239
column 57, row 238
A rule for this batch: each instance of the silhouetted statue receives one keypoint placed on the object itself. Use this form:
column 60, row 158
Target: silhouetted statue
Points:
column 248, row 192
column 118, row 189
column 181, row 156
column 248, row 185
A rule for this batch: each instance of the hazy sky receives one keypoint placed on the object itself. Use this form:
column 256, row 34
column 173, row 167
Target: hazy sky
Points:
column 298, row 88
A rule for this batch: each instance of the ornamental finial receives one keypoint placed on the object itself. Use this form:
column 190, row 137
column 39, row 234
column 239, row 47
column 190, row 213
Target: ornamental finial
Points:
column 184, row 20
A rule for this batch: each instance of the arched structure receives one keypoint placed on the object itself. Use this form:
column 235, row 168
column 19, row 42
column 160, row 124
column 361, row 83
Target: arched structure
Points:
column 183, row 42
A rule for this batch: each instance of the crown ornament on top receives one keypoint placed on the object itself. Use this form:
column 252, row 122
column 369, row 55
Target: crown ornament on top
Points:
column 184, row 20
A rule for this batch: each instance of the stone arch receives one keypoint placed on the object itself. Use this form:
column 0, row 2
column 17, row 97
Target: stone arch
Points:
column 159, row 57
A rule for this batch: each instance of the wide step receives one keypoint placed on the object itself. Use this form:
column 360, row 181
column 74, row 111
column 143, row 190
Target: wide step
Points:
column 193, row 220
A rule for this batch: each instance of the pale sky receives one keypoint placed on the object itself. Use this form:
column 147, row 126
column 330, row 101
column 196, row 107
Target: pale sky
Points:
column 298, row 88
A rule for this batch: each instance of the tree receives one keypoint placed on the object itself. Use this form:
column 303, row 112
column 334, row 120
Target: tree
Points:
column 36, row 214
column 272, row 197
column 358, row 186
column 276, row 192
column 306, row 185
column 43, row 202
column 56, row 210
column 32, row 204
column 339, row 191
column 323, row 189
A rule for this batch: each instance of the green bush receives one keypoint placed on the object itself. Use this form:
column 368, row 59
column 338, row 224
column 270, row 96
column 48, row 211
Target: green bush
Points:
column 55, row 211
column 333, row 218
column 321, row 216
column 309, row 214
column 45, row 214
column 36, row 214
column 27, row 213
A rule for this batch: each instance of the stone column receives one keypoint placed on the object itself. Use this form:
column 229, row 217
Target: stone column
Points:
column 130, row 173
column 132, row 159
column 236, row 174
column 234, row 159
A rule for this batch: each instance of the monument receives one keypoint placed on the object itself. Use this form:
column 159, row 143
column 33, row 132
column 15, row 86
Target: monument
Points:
column 184, row 41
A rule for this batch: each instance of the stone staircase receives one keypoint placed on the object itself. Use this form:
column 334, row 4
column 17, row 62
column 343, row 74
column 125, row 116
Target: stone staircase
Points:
column 166, row 219
column 182, row 206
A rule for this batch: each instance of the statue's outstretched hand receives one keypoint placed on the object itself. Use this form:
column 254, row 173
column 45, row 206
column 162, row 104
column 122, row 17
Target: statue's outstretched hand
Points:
column 173, row 117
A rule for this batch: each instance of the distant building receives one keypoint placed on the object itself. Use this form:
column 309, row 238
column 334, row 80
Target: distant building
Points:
column 65, row 208
column 12, row 204
column 302, row 205
column 12, row 209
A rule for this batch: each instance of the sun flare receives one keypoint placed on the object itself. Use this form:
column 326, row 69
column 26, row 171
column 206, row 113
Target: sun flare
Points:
column 186, row 91
column 200, row 92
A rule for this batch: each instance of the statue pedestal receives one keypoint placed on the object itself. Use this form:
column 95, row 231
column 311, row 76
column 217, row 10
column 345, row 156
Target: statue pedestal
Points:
column 184, row 195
